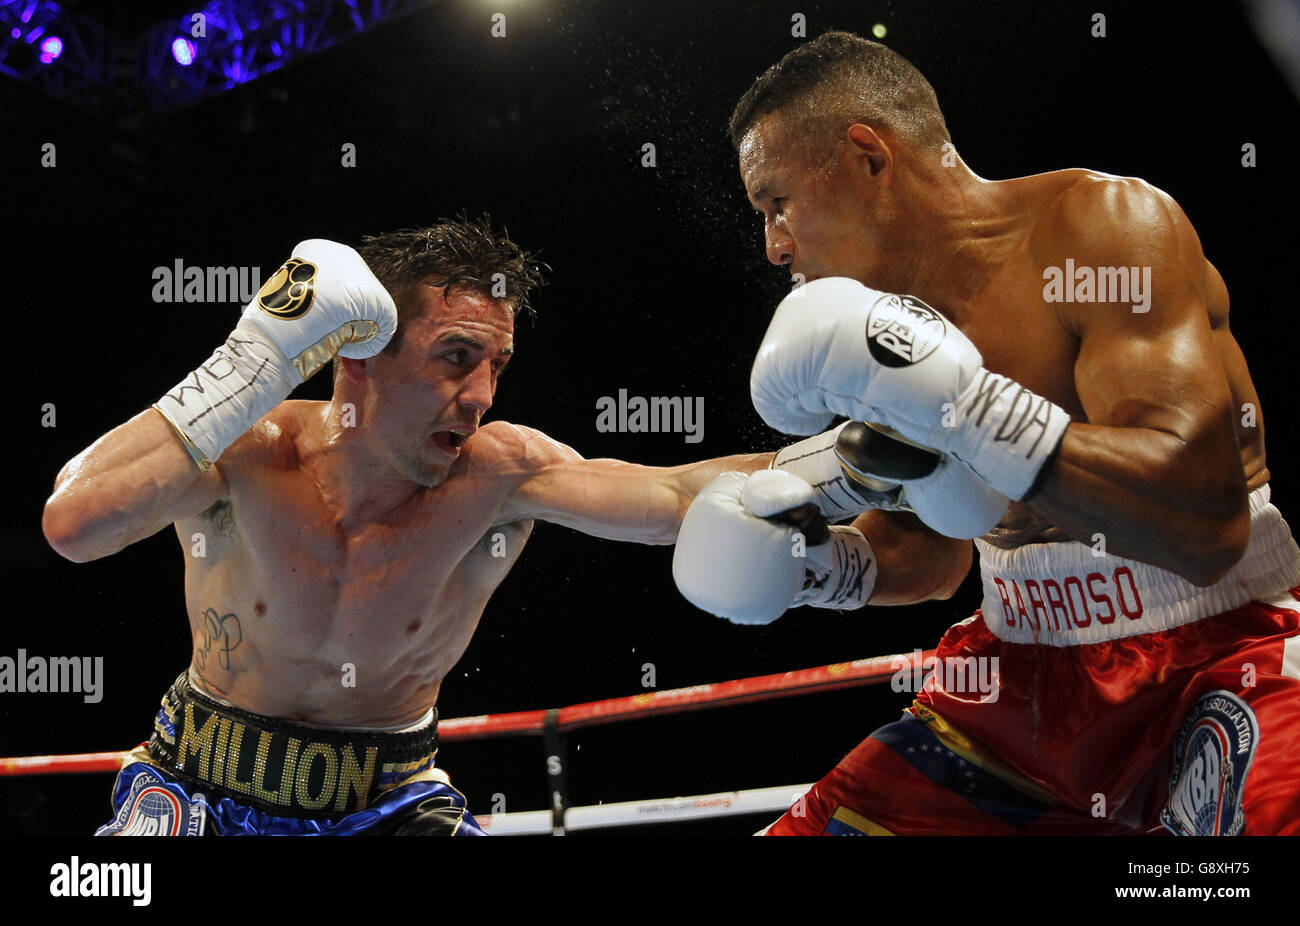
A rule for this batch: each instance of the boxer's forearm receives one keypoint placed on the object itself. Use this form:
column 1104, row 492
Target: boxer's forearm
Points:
column 654, row 499
column 1180, row 505
column 685, row 482
column 126, row 486
column 914, row 563
column 617, row 500
column 688, row 480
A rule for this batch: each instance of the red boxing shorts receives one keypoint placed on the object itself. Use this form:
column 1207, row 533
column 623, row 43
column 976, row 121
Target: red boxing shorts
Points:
column 1093, row 694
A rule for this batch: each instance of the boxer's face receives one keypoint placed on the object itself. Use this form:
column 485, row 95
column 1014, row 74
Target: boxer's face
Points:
column 819, row 220
column 433, row 392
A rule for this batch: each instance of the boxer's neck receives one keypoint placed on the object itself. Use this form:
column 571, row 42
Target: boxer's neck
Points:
column 955, row 229
column 358, row 479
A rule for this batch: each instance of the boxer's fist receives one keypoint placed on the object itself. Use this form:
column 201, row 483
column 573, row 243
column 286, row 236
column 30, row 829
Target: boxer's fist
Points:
column 732, row 563
column 941, row 490
column 750, row 547
column 839, row 568
column 323, row 301
column 835, row 347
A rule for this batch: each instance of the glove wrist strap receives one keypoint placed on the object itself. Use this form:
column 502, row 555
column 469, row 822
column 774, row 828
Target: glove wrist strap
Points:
column 224, row 396
column 1006, row 433
column 839, row 494
column 840, row 574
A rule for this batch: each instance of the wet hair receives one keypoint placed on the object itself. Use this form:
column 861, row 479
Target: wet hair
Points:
column 459, row 254
column 836, row 80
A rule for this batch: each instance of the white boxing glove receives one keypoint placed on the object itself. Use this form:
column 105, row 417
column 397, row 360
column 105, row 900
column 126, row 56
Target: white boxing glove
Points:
column 839, row 492
column 835, row 347
column 732, row 561
column 323, row 301
column 857, row 467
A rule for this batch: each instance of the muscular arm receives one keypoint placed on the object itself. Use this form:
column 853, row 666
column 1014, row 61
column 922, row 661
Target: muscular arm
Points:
column 624, row 501
column 1157, row 469
column 128, row 485
column 608, row 498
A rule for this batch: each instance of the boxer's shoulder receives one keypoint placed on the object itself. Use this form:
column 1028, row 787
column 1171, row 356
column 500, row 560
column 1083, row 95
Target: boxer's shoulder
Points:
column 517, row 449
column 1093, row 211
column 1101, row 227
column 271, row 443
column 274, row 440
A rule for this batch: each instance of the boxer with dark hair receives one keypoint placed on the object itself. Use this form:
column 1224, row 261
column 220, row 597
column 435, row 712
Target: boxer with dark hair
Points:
column 1062, row 340
column 348, row 547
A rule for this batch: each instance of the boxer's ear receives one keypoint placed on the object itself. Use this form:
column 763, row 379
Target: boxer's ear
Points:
column 868, row 144
column 355, row 370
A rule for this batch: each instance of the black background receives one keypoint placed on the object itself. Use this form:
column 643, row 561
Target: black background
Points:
column 659, row 286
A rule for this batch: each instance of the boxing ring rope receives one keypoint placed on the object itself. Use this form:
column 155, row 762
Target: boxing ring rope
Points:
column 552, row 724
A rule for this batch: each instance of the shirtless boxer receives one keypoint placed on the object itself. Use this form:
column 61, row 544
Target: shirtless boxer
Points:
column 351, row 545
column 1149, row 685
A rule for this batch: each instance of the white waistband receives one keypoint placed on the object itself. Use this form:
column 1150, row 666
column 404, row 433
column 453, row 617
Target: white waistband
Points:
column 415, row 726
column 1065, row 594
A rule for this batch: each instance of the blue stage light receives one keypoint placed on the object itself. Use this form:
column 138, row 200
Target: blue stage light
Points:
column 51, row 48
column 183, row 52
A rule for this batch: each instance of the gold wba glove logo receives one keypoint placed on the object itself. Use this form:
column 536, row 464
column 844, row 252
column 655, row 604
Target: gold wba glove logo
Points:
column 290, row 291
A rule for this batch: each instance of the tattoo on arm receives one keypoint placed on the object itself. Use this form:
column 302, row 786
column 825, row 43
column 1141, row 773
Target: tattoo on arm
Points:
column 219, row 630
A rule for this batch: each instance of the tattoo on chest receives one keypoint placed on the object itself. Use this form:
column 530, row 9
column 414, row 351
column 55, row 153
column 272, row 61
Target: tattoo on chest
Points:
column 219, row 631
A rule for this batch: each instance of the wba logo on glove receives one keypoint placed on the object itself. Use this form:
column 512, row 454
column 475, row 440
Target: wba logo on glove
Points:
column 903, row 330
column 290, row 291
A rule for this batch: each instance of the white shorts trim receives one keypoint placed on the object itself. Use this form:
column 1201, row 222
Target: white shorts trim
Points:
column 1063, row 594
column 1291, row 656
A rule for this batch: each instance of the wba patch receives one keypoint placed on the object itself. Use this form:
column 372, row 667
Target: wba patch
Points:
column 154, row 807
column 1212, row 757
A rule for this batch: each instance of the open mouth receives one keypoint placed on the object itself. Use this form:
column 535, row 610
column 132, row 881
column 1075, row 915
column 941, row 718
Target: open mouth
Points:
column 450, row 440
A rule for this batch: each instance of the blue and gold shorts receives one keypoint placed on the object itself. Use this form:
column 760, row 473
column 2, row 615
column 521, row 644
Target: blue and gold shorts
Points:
column 215, row 769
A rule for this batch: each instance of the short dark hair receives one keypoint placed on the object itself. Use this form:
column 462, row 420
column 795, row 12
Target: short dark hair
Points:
column 460, row 253
column 839, row 79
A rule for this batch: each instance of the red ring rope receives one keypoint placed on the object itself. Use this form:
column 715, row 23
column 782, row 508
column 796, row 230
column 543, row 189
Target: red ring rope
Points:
column 872, row 670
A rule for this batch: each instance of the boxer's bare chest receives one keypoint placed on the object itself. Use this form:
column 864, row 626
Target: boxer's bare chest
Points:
column 291, row 597
column 1021, row 335
column 289, row 533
